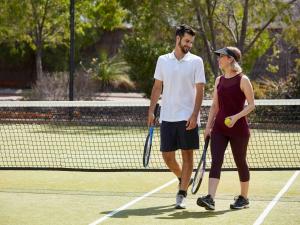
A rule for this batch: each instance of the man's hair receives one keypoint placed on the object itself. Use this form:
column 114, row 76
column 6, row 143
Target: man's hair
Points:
column 183, row 28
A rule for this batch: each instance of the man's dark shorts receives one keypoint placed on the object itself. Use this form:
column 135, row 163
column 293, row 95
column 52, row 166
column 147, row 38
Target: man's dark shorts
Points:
column 173, row 136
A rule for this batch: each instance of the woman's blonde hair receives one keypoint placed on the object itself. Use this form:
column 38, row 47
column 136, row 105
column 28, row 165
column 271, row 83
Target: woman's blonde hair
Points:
column 235, row 66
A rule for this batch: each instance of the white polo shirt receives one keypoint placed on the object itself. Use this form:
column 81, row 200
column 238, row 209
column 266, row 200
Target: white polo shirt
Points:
column 179, row 91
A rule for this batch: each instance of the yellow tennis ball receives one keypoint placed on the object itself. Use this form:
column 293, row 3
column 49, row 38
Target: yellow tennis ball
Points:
column 227, row 121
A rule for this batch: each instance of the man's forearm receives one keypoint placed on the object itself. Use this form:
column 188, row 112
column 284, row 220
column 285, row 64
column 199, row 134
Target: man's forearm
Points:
column 155, row 94
column 198, row 99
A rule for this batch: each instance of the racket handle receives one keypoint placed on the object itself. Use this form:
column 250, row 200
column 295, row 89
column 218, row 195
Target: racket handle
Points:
column 206, row 142
column 156, row 110
column 151, row 129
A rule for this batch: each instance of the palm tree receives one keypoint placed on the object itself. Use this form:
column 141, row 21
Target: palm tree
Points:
column 110, row 72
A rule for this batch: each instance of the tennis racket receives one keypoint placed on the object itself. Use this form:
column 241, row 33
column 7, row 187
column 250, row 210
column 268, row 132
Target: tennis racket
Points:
column 198, row 177
column 148, row 142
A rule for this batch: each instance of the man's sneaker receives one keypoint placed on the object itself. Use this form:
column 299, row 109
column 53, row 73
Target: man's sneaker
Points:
column 190, row 183
column 207, row 202
column 180, row 202
column 240, row 203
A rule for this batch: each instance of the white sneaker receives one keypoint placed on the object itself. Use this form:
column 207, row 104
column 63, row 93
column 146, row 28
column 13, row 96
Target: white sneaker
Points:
column 180, row 202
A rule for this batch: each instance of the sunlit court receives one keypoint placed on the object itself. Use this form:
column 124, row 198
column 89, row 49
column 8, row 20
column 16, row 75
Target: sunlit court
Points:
column 29, row 197
column 130, row 112
column 82, row 164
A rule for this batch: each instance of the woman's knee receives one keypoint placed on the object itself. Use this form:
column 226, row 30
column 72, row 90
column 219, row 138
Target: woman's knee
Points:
column 243, row 171
column 244, row 176
column 215, row 173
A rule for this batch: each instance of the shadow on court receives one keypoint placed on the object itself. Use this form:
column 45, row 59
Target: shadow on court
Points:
column 160, row 210
column 201, row 214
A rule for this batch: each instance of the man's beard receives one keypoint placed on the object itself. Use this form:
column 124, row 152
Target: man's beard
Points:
column 184, row 49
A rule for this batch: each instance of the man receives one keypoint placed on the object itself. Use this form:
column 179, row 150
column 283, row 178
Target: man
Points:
column 181, row 75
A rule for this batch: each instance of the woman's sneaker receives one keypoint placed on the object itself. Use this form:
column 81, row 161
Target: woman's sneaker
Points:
column 240, row 203
column 207, row 202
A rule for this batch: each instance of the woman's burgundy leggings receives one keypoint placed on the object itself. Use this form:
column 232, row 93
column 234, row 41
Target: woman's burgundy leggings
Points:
column 238, row 145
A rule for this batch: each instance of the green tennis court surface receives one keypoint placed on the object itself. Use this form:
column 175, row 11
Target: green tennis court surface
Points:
column 49, row 197
column 96, row 136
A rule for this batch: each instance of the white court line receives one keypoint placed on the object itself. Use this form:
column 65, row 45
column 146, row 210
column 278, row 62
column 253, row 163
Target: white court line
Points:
column 262, row 216
column 100, row 220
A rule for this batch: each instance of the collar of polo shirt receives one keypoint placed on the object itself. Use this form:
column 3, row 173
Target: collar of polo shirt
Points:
column 185, row 57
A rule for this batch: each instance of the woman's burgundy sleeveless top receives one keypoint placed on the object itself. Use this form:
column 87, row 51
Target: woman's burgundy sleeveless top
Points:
column 231, row 101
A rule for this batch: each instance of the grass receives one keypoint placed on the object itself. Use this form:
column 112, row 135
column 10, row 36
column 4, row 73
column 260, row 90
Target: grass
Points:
column 50, row 198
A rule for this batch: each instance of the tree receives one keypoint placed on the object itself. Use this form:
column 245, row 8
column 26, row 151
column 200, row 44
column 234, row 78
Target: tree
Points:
column 38, row 22
column 43, row 23
column 243, row 24
column 219, row 23
column 93, row 17
column 291, row 35
column 152, row 36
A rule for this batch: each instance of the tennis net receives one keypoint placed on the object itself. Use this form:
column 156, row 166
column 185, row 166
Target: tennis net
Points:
column 109, row 136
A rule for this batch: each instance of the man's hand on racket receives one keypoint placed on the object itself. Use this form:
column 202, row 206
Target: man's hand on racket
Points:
column 152, row 115
column 151, row 119
column 192, row 122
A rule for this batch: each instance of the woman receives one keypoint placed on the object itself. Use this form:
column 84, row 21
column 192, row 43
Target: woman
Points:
column 227, row 123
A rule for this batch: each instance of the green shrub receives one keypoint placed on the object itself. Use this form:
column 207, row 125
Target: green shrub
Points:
column 288, row 87
column 141, row 55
